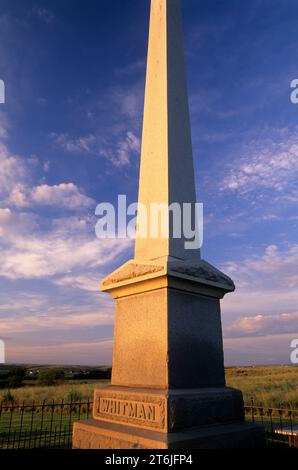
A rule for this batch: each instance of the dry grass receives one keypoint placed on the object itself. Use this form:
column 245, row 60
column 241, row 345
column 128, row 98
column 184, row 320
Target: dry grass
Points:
column 69, row 391
column 270, row 386
column 275, row 386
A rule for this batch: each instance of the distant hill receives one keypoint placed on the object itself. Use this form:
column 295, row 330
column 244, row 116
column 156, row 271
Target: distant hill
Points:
column 66, row 368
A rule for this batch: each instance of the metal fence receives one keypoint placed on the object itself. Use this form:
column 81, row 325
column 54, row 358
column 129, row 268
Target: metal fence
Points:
column 40, row 425
column 281, row 424
column 49, row 424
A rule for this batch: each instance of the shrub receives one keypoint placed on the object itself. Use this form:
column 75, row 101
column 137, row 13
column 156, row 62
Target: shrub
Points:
column 15, row 381
column 18, row 372
column 50, row 377
column 8, row 397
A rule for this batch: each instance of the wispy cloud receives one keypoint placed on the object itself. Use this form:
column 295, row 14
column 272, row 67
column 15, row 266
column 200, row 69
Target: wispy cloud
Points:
column 81, row 281
column 277, row 265
column 270, row 164
column 119, row 155
column 131, row 145
column 88, row 144
column 111, row 130
column 13, row 169
column 43, row 14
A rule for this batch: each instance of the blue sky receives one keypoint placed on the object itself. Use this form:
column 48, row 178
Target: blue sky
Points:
column 70, row 135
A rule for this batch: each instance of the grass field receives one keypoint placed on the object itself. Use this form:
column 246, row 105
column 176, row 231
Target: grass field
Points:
column 68, row 391
column 48, row 425
column 272, row 386
column 269, row 386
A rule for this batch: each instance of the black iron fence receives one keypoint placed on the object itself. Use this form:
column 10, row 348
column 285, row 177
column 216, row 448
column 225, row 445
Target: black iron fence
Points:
column 281, row 424
column 49, row 424
column 40, row 425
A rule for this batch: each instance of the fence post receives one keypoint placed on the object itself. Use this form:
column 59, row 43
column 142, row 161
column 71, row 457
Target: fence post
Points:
column 252, row 410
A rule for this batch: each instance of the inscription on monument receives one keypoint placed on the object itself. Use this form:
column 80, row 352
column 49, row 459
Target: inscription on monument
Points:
column 131, row 409
column 149, row 411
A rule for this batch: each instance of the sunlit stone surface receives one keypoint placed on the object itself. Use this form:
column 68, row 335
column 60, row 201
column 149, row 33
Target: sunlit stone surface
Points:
column 168, row 382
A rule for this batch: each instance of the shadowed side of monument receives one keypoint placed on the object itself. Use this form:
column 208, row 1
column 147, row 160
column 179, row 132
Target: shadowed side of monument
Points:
column 168, row 382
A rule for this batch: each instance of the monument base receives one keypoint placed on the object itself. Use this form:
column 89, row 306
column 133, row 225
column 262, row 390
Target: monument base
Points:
column 93, row 434
column 133, row 418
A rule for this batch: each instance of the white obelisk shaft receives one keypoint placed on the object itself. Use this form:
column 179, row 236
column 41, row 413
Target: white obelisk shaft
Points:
column 167, row 173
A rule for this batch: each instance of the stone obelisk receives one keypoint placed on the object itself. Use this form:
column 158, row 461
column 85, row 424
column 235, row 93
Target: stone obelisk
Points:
column 168, row 382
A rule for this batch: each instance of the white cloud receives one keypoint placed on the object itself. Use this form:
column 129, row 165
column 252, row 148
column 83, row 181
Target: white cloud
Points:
column 4, row 125
column 5, row 218
column 12, row 168
column 266, row 297
column 15, row 189
column 18, row 195
column 263, row 325
column 269, row 164
column 64, row 195
column 16, row 176
column 16, row 223
column 62, row 249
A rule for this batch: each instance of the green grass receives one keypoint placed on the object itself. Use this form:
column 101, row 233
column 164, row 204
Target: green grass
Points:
column 40, row 426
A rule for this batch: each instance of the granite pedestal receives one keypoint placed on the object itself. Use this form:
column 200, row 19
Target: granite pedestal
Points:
column 168, row 383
